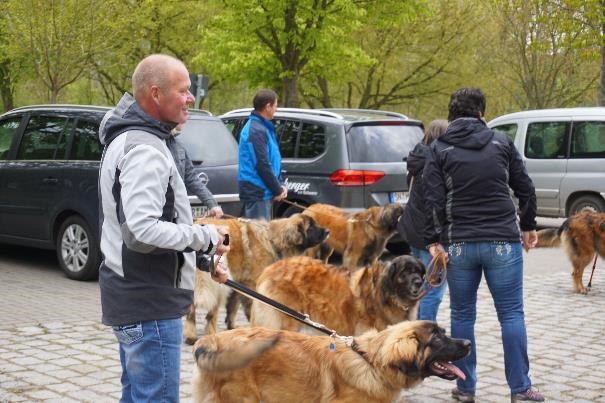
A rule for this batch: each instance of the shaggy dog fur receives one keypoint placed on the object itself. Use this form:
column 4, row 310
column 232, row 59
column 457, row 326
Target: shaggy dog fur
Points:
column 272, row 366
column 359, row 237
column 254, row 244
column 582, row 235
column 372, row 297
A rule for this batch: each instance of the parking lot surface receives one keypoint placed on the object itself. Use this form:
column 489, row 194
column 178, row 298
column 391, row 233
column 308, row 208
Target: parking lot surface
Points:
column 54, row 348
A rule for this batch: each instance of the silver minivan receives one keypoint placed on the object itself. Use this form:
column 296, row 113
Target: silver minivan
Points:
column 564, row 152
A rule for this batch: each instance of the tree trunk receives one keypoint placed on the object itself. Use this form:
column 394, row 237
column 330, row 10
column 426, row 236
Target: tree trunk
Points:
column 290, row 92
column 6, row 87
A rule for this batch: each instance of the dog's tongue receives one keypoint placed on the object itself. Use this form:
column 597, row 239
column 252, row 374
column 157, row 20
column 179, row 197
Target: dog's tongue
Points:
column 453, row 369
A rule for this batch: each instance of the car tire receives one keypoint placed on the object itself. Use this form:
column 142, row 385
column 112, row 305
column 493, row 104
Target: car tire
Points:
column 78, row 250
column 587, row 203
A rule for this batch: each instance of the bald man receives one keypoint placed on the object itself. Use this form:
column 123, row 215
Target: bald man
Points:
column 148, row 238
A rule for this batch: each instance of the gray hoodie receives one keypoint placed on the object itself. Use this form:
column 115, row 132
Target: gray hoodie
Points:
column 148, row 238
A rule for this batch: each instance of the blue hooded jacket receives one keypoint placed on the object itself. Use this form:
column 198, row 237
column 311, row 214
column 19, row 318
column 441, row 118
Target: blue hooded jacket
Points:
column 259, row 160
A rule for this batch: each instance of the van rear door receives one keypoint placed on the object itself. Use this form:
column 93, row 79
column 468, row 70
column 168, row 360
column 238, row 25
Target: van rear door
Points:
column 383, row 146
column 545, row 151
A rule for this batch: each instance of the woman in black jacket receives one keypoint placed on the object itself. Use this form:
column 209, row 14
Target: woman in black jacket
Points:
column 412, row 223
column 468, row 176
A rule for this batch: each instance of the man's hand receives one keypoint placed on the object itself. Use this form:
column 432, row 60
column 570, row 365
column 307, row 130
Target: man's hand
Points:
column 530, row 240
column 282, row 195
column 222, row 248
column 221, row 272
column 216, row 212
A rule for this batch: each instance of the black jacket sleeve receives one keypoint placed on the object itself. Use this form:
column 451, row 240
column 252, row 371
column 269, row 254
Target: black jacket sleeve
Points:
column 259, row 141
column 523, row 189
column 434, row 197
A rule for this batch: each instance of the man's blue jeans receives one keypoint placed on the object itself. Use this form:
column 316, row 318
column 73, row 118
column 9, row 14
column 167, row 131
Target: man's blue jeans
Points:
column 429, row 304
column 150, row 353
column 502, row 264
column 260, row 209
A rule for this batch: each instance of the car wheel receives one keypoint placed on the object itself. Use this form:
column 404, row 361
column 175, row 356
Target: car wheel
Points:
column 587, row 203
column 78, row 250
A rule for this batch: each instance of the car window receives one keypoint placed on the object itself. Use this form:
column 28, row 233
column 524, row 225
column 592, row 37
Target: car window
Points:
column 208, row 142
column 8, row 128
column 287, row 132
column 588, row 140
column 43, row 139
column 510, row 130
column 546, row 140
column 86, row 145
column 382, row 143
column 235, row 126
column 312, row 141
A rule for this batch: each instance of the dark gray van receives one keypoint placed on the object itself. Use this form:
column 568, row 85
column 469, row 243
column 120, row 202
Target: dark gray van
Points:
column 49, row 163
column 350, row 158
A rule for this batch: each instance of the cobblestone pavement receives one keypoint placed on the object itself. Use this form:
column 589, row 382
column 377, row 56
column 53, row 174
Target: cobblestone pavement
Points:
column 53, row 347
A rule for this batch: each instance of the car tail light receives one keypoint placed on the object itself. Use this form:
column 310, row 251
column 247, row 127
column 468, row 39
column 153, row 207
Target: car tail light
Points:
column 350, row 177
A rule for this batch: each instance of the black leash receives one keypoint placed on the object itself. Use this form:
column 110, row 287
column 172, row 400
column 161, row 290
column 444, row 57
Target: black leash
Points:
column 594, row 266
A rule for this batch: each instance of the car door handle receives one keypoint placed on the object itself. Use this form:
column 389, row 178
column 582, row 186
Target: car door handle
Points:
column 50, row 180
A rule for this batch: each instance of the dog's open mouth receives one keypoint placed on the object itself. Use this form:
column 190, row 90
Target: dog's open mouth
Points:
column 446, row 370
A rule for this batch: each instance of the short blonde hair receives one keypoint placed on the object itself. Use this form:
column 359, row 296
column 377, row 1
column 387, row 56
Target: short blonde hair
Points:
column 153, row 70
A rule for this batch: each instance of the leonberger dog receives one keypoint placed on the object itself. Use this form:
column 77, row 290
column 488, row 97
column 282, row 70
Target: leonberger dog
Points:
column 372, row 297
column 273, row 366
column 582, row 235
column 359, row 237
column 254, row 244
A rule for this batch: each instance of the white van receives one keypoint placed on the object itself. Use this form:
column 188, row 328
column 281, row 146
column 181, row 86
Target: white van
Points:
column 564, row 151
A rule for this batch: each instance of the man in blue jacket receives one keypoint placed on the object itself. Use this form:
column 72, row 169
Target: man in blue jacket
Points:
column 260, row 160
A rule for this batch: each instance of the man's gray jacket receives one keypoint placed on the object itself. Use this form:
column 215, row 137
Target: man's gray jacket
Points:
column 148, row 238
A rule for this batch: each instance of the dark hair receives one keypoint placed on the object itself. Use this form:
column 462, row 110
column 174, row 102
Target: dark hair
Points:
column 262, row 98
column 434, row 130
column 466, row 103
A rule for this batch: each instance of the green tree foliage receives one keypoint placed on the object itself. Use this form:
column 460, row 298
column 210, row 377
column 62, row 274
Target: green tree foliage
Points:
column 541, row 63
column 271, row 42
column 60, row 36
column 139, row 28
column 417, row 54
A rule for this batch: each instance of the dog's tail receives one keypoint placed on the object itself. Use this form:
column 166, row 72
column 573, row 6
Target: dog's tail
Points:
column 549, row 238
column 209, row 358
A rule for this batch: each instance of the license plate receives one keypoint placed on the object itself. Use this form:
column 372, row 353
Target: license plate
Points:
column 399, row 197
column 199, row 211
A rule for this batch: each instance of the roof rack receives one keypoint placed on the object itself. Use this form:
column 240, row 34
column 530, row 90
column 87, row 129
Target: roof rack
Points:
column 353, row 112
column 58, row 106
column 317, row 112
column 200, row 112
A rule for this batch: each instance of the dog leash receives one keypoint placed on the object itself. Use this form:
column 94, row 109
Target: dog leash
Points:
column 594, row 266
column 436, row 273
column 302, row 318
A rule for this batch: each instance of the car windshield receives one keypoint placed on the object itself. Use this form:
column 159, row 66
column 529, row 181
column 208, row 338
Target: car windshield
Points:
column 382, row 143
column 209, row 143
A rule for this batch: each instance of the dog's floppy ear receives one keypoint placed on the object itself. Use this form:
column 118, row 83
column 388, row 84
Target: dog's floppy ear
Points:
column 294, row 231
column 408, row 368
column 404, row 354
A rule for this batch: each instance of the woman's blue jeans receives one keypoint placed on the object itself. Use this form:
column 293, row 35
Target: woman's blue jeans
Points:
column 429, row 304
column 150, row 353
column 502, row 264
